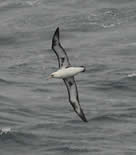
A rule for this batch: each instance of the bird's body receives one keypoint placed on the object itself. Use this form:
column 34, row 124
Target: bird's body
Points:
column 66, row 72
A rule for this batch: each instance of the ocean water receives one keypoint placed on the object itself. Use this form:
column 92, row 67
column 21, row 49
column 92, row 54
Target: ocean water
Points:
column 35, row 115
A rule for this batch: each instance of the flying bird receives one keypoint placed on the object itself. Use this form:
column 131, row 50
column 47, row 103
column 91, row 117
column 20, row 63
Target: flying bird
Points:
column 66, row 72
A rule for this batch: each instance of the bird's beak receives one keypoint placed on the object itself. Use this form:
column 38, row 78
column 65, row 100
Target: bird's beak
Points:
column 49, row 77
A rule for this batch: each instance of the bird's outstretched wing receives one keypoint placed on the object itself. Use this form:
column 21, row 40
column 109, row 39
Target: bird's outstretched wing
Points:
column 61, row 54
column 73, row 97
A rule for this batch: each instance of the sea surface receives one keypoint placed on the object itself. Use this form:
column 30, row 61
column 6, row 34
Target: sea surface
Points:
column 35, row 115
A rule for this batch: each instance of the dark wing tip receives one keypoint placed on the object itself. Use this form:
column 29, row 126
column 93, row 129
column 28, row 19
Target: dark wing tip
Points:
column 55, row 39
column 56, row 34
column 84, row 119
column 82, row 116
column 57, row 30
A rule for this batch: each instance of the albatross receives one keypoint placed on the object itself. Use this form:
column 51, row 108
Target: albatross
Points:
column 66, row 72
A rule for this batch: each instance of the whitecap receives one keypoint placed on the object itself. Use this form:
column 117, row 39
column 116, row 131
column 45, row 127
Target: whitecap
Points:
column 5, row 130
column 132, row 75
column 30, row 3
column 108, row 26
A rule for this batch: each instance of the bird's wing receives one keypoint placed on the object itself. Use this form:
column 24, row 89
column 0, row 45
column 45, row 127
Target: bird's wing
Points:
column 61, row 54
column 73, row 97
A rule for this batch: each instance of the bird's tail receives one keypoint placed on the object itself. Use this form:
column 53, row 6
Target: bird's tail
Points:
column 84, row 68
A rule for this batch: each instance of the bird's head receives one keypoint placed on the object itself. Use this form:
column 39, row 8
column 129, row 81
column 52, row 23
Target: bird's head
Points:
column 51, row 76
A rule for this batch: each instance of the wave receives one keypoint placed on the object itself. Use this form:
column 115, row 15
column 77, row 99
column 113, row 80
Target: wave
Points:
column 4, row 131
column 3, row 81
column 106, row 118
column 116, row 1
column 10, row 135
column 4, row 6
column 132, row 75
column 125, row 83
column 9, row 82
column 121, row 117
column 69, row 148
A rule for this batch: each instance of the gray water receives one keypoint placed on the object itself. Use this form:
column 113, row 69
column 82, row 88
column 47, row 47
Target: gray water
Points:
column 35, row 115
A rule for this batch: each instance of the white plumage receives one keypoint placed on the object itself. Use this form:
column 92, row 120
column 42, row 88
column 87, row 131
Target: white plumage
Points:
column 66, row 72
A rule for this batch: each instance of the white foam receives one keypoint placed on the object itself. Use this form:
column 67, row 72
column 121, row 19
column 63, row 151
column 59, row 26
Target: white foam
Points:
column 31, row 3
column 5, row 130
column 108, row 26
column 132, row 75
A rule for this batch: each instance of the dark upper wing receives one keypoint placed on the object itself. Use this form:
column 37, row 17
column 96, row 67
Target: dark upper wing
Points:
column 73, row 97
column 62, row 57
